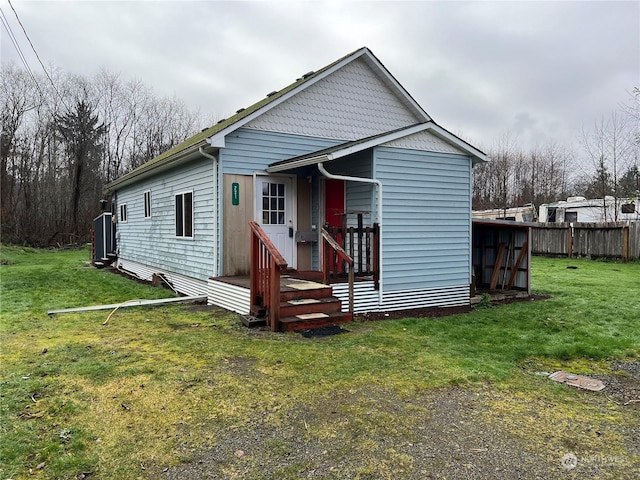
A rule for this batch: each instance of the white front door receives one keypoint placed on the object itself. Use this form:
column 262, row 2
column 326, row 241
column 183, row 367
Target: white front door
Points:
column 274, row 212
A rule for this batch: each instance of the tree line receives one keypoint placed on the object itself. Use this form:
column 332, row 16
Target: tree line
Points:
column 63, row 140
column 65, row 136
column 605, row 162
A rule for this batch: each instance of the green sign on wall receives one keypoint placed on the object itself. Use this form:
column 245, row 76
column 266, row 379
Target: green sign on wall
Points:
column 235, row 193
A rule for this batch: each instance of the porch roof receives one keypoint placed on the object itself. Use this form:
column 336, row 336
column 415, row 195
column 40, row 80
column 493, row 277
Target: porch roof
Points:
column 355, row 146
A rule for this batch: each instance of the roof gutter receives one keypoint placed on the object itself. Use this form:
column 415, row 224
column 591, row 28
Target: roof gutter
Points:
column 305, row 162
column 378, row 184
column 216, row 209
column 148, row 170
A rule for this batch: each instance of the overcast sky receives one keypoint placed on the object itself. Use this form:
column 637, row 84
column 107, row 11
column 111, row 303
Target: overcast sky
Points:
column 539, row 70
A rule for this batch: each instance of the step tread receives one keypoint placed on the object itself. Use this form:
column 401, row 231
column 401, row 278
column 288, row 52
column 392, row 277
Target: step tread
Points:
column 333, row 318
column 286, row 295
column 310, row 305
column 295, row 302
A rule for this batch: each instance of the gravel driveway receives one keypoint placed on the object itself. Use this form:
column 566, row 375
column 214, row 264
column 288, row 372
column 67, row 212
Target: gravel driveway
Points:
column 448, row 433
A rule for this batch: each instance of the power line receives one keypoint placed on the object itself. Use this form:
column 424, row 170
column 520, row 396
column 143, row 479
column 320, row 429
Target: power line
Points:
column 14, row 40
column 5, row 22
column 38, row 56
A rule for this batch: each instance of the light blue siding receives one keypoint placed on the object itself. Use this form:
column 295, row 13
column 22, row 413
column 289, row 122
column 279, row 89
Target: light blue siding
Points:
column 359, row 194
column 153, row 241
column 248, row 151
column 426, row 218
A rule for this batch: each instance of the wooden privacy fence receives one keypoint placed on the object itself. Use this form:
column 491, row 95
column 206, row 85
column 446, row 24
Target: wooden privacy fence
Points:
column 612, row 240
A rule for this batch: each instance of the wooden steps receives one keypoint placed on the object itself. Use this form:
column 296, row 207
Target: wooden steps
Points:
column 309, row 321
column 306, row 304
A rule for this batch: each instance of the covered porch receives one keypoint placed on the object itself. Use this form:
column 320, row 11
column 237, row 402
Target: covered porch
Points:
column 289, row 299
column 297, row 222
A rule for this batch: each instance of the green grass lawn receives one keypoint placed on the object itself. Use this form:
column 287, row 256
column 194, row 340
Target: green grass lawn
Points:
column 122, row 400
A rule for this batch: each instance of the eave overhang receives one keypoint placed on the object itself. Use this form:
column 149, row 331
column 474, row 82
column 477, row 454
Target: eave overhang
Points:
column 158, row 166
column 349, row 148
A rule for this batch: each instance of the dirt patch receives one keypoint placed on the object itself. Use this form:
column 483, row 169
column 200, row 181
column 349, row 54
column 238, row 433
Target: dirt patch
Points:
column 529, row 298
column 623, row 385
column 373, row 433
column 433, row 312
column 201, row 307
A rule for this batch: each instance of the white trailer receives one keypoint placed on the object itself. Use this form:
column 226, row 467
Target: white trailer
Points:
column 580, row 209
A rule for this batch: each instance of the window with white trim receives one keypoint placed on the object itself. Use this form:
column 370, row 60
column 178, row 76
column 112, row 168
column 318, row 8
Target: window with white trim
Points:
column 184, row 215
column 273, row 197
column 123, row 213
column 147, row 204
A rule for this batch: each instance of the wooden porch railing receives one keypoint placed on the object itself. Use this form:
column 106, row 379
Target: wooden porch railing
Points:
column 266, row 265
column 332, row 254
column 360, row 243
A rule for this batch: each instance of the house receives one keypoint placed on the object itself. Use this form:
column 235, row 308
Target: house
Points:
column 581, row 209
column 341, row 173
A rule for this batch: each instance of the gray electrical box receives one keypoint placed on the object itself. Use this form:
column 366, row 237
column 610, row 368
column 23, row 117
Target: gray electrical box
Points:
column 304, row 237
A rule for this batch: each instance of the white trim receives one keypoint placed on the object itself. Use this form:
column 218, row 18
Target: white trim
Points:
column 471, row 271
column 175, row 218
column 391, row 79
column 216, row 210
column 182, row 283
column 218, row 139
column 367, row 299
column 378, row 184
column 379, row 140
column 124, row 214
column 438, row 131
column 294, row 207
column 232, row 297
column 350, row 150
column 147, row 194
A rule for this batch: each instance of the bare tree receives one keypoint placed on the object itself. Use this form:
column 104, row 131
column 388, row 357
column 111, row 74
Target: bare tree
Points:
column 61, row 141
column 608, row 147
column 18, row 95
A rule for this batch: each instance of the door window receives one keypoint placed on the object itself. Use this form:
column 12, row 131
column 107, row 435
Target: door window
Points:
column 273, row 210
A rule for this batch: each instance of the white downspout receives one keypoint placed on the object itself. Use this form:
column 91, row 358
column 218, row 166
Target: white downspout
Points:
column 216, row 248
column 378, row 183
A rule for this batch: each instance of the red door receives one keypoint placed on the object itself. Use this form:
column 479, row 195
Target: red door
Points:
column 333, row 202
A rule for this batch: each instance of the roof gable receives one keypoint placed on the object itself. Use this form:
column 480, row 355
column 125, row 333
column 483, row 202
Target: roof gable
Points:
column 352, row 102
column 427, row 141
column 405, row 111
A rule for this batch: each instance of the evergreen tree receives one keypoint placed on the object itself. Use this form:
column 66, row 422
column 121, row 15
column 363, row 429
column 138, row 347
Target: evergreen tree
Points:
column 81, row 133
